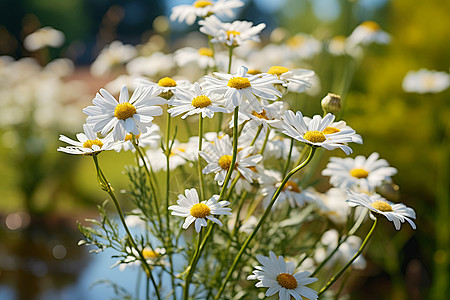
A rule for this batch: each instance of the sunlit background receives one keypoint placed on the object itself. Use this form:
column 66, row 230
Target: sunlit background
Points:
column 44, row 193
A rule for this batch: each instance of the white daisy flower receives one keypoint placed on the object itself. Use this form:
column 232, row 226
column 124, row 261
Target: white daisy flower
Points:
column 344, row 253
column 301, row 46
column 366, row 33
column 360, row 173
column 339, row 126
column 112, row 56
column 278, row 275
column 312, row 133
column 241, row 86
column 165, row 87
column 394, row 212
column 125, row 116
column 426, row 81
column 153, row 257
column 219, row 156
column 151, row 138
column 339, row 46
column 202, row 9
column 152, row 65
column 301, row 79
column 230, row 34
column 190, row 207
column 270, row 181
column 43, row 37
column 88, row 143
column 190, row 102
column 203, row 57
column 333, row 206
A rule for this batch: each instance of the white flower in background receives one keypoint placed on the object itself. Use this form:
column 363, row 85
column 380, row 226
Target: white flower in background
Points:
column 426, row 81
column 333, row 205
column 366, row 33
column 43, row 37
column 194, row 101
column 345, row 252
column 219, row 156
column 114, row 86
column 280, row 277
column 128, row 115
column 297, row 80
column 359, row 173
column 202, row 9
column 112, row 56
column 60, row 67
column 136, row 219
column 312, row 133
column 336, row 127
column 203, row 57
column 180, row 154
column 155, row 64
column 270, row 181
column 339, row 46
column 193, row 210
column 230, row 34
column 88, row 143
column 153, row 257
column 235, row 88
column 302, row 46
column 165, row 87
column 151, row 138
column 269, row 117
column 394, row 212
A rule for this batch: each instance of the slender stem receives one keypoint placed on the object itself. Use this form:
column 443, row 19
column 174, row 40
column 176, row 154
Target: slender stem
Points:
column 106, row 186
column 192, row 267
column 342, row 270
column 261, row 221
column 265, row 142
column 257, row 134
column 288, row 161
column 199, row 164
column 230, row 58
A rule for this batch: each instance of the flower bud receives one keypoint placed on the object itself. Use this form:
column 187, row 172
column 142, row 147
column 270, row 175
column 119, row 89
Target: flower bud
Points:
column 331, row 103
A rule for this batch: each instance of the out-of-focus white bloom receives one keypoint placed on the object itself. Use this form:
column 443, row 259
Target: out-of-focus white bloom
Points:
column 157, row 63
column 332, row 205
column 43, row 37
column 270, row 181
column 336, row 127
column 153, row 257
column 312, row 133
column 88, row 143
column 202, row 9
column 366, row 33
column 339, row 45
column 296, row 80
column 60, row 67
column 345, row 252
column 219, row 156
column 193, row 210
column 425, row 81
column 247, row 225
column 151, row 138
column 361, row 173
column 302, row 46
column 128, row 115
column 235, row 88
column 203, row 57
column 278, row 275
column 394, row 212
column 112, row 56
column 114, row 86
column 193, row 102
column 230, row 34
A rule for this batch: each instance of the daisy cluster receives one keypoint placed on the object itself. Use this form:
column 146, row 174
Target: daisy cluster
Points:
column 239, row 168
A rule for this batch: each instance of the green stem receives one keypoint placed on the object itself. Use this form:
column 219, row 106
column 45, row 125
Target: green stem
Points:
column 199, row 164
column 342, row 270
column 106, row 186
column 288, row 161
column 265, row 142
column 261, row 221
column 256, row 136
column 230, row 58
column 192, row 266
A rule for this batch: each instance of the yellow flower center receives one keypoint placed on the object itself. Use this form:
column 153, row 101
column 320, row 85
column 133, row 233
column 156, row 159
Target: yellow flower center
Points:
column 277, row 70
column 202, row 3
column 129, row 137
column 261, row 115
column 382, row 206
column 90, row 143
column 167, row 82
column 124, row 111
column 148, row 253
column 330, row 130
column 314, row 136
column 371, row 25
column 205, row 52
column 200, row 210
column 287, row 281
column 292, row 186
column 232, row 32
column 201, row 101
column 225, row 161
column 239, row 83
column 359, row 173
column 295, row 41
column 253, row 72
